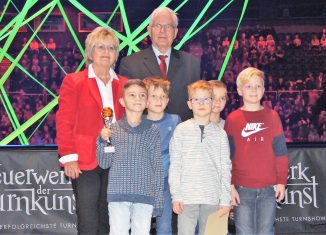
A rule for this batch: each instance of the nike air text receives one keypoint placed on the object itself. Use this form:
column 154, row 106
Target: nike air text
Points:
column 252, row 128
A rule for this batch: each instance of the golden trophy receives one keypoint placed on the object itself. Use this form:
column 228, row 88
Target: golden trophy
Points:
column 107, row 115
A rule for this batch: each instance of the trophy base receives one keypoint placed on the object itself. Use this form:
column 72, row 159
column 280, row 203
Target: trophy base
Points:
column 109, row 149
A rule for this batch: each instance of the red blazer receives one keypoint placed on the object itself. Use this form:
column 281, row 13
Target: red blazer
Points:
column 79, row 119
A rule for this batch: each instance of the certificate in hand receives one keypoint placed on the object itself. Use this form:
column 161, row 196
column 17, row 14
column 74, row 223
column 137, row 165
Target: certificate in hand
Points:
column 217, row 225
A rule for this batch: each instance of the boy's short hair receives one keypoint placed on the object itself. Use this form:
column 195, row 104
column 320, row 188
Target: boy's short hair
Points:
column 157, row 82
column 217, row 83
column 245, row 75
column 132, row 82
column 200, row 84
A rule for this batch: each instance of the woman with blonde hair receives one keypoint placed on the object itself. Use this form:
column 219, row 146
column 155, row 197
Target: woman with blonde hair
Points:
column 83, row 95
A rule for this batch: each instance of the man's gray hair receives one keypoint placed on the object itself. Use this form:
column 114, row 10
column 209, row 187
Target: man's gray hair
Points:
column 159, row 9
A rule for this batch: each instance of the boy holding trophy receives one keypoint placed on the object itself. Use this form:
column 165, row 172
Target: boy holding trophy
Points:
column 135, row 191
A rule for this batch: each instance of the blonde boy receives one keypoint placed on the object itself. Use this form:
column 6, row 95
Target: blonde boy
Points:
column 219, row 101
column 259, row 157
column 158, row 98
column 200, row 165
column 136, row 169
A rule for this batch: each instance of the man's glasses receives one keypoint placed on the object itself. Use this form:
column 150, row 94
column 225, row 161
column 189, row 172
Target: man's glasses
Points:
column 166, row 27
column 102, row 47
column 207, row 100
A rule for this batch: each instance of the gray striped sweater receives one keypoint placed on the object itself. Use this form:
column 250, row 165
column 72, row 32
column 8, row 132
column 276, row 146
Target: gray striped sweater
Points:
column 200, row 170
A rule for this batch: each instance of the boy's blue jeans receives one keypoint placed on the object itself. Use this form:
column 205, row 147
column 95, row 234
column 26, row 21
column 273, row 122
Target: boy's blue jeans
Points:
column 164, row 222
column 256, row 212
column 126, row 215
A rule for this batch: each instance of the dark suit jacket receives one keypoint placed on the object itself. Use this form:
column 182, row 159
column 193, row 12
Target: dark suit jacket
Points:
column 79, row 119
column 183, row 70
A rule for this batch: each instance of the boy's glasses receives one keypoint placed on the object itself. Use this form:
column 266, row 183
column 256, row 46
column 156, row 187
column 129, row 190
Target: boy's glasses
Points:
column 207, row 100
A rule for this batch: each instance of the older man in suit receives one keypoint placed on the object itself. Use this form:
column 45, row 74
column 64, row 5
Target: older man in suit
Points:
column 161, row 60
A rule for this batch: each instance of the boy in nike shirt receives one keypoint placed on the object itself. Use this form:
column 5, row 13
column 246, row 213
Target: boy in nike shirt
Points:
column 259, row 157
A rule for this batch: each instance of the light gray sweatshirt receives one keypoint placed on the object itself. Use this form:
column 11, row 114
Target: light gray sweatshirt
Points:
column 200, row 170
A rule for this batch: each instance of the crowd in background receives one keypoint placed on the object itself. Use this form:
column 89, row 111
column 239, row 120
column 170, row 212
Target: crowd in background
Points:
column 294, row 66
column 28, row 97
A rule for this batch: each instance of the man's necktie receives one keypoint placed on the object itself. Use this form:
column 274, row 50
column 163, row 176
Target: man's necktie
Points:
column 163, row 65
